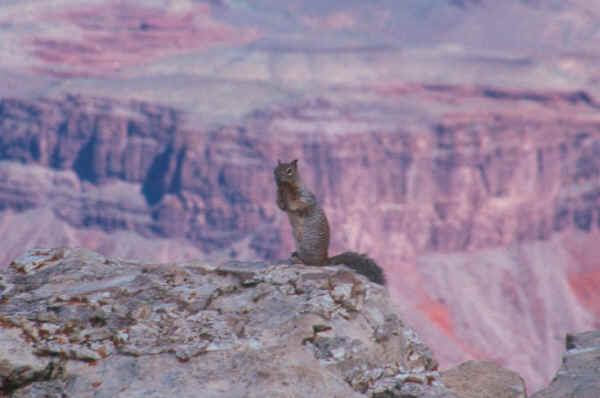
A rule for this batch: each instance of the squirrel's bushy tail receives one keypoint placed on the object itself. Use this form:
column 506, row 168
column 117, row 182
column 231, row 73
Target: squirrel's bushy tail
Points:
column 361, row 264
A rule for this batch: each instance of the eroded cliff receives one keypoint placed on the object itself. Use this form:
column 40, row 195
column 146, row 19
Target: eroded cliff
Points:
column 462, row 128
column 403, row 171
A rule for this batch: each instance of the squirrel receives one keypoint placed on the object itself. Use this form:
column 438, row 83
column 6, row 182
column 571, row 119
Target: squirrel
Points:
column 311, row 228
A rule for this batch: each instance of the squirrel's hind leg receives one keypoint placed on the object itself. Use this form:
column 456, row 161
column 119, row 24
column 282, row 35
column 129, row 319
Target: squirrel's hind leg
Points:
column 296, row 259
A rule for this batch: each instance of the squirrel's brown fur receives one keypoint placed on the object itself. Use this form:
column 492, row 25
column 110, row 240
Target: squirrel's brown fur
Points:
column 310, row 226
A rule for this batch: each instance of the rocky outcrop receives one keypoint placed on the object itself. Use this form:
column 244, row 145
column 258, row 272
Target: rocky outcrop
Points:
column 579, row 374
column 76, row 323
column 481, row 379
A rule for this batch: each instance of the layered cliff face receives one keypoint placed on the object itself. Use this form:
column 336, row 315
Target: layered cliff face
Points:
column 504, row 183
column 497, row 168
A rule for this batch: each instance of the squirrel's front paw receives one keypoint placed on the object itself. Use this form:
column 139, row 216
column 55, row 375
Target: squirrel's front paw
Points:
column 280, row 204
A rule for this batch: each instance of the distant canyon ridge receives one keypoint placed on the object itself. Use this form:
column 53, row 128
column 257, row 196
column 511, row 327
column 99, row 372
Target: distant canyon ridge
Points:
column 498, row 205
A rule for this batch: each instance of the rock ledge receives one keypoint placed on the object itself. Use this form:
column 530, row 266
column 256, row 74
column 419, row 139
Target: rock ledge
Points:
column 73, row 323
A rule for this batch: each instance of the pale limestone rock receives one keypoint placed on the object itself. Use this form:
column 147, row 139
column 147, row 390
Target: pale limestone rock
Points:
column 482, row 379
column 73, row 322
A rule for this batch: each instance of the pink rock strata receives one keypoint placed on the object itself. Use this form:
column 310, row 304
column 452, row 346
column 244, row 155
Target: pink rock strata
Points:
column 496, row 205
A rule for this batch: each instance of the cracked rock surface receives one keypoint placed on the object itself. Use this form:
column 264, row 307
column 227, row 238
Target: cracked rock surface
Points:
column 579, row 374
column 73, row 323
column 483, row 379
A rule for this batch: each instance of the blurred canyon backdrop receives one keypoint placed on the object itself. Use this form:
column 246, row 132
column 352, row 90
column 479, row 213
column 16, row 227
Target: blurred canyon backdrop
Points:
column 455, row 141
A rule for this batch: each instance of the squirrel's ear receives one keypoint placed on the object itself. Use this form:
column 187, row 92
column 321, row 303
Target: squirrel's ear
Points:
column 295, row 163
column 278, row 162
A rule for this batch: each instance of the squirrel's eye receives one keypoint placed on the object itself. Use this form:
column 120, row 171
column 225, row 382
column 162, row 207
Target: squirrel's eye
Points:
column 289, row 171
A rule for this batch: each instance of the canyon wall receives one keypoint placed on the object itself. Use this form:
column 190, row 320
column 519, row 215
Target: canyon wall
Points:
column 466, row 181
column 489, row 191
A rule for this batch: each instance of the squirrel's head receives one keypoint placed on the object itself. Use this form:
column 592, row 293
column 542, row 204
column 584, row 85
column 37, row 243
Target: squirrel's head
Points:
column 286, row 172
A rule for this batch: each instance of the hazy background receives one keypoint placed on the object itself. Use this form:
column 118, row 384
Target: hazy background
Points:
column 457, row 142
